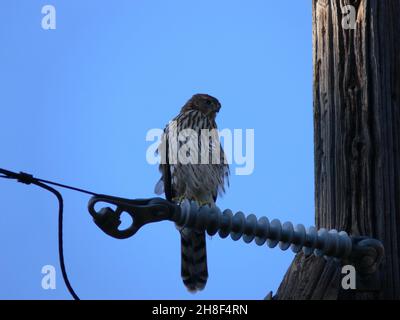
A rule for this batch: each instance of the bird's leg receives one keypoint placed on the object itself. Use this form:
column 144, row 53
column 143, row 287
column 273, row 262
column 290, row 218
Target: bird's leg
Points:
column 178, row 200
column 202, row 203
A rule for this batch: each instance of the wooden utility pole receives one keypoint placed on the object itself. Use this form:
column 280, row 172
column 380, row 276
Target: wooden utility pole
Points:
column 357, row 142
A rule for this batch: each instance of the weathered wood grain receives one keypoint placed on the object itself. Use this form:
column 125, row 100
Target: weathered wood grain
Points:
column 357, row 142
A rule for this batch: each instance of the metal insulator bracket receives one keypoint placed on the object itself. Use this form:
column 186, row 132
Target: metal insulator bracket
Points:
column 365, row 252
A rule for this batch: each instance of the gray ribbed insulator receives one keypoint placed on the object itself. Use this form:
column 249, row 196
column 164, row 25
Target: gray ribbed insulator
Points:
column 322, row 242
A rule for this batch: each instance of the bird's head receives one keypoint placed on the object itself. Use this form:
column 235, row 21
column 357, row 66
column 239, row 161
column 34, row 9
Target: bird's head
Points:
column 204, row 103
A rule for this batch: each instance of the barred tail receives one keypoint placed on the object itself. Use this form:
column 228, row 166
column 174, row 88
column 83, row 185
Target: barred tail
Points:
column 194, row 259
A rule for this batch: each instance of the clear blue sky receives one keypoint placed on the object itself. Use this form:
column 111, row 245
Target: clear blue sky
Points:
column 76, row 104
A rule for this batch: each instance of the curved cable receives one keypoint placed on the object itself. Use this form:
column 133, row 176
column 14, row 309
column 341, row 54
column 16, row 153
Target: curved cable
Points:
column 29, row 179
column 60, row 235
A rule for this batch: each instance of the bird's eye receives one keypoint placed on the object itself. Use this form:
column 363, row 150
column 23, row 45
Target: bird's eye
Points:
column 208, row 102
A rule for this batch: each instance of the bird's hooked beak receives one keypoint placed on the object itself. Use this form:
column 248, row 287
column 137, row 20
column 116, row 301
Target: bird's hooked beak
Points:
column 214, row 110
column 217, row 107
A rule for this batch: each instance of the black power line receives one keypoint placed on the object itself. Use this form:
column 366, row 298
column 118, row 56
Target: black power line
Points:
column 29, row 179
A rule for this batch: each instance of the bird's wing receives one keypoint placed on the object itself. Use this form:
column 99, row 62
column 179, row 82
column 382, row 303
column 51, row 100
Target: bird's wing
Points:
column 223, row 173
column 164, row 185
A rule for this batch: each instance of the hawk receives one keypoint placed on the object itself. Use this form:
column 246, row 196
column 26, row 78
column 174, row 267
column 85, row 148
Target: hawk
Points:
column 193, row 167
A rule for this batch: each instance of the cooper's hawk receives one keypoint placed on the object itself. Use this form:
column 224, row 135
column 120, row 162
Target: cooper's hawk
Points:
column 193, row 167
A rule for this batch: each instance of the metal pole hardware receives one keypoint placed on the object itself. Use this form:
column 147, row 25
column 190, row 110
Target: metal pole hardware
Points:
column 366, row 252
